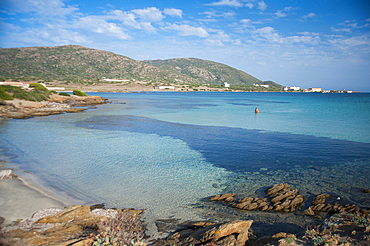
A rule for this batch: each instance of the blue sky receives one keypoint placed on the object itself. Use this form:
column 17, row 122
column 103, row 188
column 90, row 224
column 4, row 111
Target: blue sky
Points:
column 307, row 43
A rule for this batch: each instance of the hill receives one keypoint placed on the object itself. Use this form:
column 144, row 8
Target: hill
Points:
column 206, row 72
column 78, row 64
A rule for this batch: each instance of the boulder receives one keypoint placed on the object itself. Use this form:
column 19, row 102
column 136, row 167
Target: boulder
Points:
column 283, row 198
column 230, row 233
column 53, row 227
column 227, row 197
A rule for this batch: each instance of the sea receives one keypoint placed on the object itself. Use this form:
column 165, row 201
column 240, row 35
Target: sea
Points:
column 169, row 152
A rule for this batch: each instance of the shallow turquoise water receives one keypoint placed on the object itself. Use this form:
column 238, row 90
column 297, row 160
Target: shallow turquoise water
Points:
column 165, row 152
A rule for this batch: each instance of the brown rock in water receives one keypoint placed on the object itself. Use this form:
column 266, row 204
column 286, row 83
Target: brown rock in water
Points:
column 309, row 212
column 320, row 199
column 276, row 188
column 227, row 197
column 283, row 198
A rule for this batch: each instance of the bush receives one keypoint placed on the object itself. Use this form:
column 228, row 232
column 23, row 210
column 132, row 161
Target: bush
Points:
column 4, row 95
column 122, row 229
column 38, row 86
column 79, row 93
column 64, row 94
column 19, row 93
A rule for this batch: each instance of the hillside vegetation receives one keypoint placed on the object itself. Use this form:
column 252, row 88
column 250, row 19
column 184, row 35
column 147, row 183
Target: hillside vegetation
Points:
column 72, row 63
column 206, row 72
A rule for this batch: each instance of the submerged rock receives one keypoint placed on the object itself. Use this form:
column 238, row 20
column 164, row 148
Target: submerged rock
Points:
column 227, row 197
column 283, row 198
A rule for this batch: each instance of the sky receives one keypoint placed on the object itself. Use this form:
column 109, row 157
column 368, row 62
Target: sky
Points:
column 306, row 43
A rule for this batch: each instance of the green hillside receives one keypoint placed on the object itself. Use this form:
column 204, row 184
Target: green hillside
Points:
column 72, row 63
column 204, row 71
column 76, row 63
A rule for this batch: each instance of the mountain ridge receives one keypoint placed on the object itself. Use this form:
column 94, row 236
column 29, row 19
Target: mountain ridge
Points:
column 77, row 63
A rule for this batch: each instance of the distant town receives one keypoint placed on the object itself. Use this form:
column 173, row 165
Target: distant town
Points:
column 140, row 86
column 315, row 89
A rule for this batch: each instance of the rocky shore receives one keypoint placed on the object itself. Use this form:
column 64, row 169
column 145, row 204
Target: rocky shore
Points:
column 95, row 225
column 56, row 104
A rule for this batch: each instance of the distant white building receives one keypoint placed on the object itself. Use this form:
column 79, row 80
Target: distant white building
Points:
column 266, row 86
column 314, row 89
column 227, row 85
column 165, row 87
column 292, row 88
column 18, row 84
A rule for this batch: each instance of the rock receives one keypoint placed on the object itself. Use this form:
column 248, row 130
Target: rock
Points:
column 309, row 212
column 231, row 233
column 21, row 109
column 276, row 188
column 56, row 227
column 283, row 198
column 320, row 199
column 7, row 174
column 227, row 197
column 68, row 215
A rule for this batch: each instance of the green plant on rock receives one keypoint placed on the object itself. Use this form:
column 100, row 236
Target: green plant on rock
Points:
column 64, row 94
column 79, row 93
column 4, row 95
column 38, row 86
column 358, row 219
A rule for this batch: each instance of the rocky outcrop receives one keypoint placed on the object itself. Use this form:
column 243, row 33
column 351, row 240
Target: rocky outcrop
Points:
column 325, row 204
column 205, row 233
column 74, row 100
column 282, row 199
column 56, row 104
column 55, row 227
column 227, row 197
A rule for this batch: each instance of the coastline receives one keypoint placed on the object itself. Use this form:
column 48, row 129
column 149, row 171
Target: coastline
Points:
column 32, row 184
column 20, row 199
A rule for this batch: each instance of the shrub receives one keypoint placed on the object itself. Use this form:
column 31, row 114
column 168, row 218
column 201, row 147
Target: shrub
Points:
column 38, row 86
column 79, row 93
column 64, row 94
column 122, row 229
column 4, row 95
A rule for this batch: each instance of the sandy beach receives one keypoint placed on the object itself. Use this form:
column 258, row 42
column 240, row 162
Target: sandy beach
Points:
column 20, row 199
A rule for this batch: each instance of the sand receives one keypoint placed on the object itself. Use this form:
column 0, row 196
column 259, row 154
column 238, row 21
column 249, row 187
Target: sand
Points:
column 20, row 200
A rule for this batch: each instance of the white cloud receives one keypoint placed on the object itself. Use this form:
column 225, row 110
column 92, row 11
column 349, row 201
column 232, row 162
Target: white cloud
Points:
column 309, row 15
column 99, row 25
column 280, row 14
column 151, row 14
column 186, row 30
column 267, row 33
column 173, row 12
column 249, row 5
column 341, row 29
column 41, row 7
column 213, row 13
column 262, row 5
column 231, row 3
